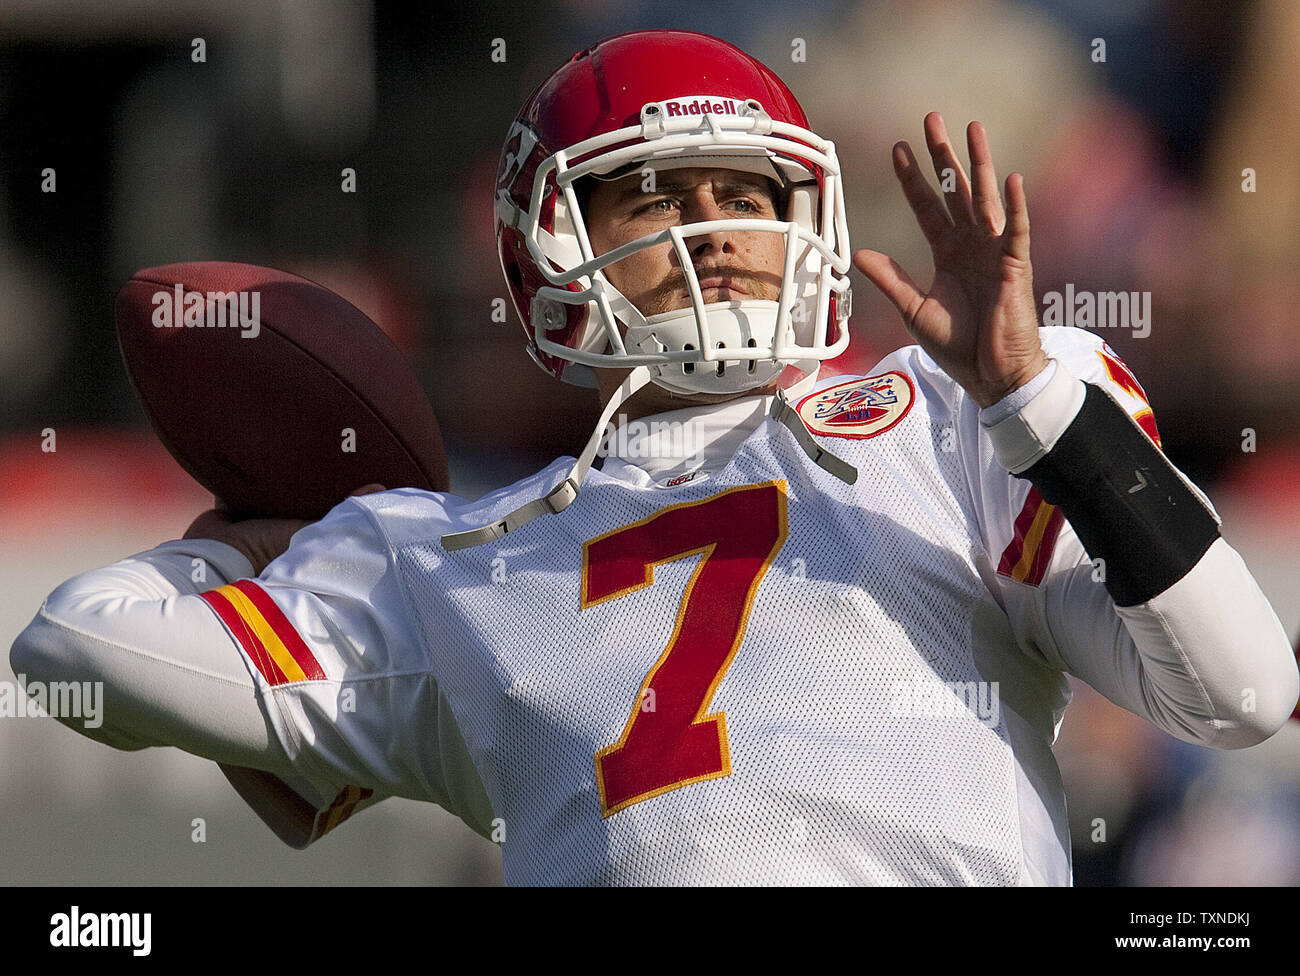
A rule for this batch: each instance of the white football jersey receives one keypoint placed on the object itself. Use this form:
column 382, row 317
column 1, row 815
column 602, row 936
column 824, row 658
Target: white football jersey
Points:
column 729, row 667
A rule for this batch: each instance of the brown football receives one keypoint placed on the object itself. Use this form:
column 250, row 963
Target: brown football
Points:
column 273, row 392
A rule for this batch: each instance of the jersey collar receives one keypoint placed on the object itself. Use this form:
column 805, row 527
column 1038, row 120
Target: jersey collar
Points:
column 685, row 446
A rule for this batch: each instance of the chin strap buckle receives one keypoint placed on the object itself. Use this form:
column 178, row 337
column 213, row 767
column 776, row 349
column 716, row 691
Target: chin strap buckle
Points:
column 789, row 418
column 562, row 495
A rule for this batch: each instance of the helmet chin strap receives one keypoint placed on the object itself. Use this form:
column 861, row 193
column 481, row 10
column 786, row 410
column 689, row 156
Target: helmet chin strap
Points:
column 786, row 415
column 730, row 324
column 562, row 495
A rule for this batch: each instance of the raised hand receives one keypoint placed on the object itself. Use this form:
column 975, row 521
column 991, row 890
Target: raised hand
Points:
column 978, row 321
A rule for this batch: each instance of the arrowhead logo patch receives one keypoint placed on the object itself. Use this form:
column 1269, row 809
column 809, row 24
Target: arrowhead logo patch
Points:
column 858, row 409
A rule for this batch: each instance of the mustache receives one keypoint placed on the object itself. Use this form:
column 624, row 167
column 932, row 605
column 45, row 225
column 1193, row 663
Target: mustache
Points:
column 758, row 284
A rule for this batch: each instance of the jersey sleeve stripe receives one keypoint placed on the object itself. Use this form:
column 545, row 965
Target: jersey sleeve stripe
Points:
column 1046, row 545
column 1033, row 540
column 1030, row 550
column 264, row 633
column 1011, row 556
column 268, row 637
column 286, row 636
column 244, row 635
column 342, row 807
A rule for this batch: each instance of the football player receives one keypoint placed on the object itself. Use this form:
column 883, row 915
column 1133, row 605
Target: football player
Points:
column 796, row 629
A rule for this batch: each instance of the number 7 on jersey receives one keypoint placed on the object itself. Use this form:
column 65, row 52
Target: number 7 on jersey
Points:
column 737, row 534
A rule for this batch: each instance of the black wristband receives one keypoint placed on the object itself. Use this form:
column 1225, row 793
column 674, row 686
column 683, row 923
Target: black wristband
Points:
column 1124, row 500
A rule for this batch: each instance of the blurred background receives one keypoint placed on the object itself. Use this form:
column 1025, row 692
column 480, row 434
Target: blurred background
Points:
column 1134, row 173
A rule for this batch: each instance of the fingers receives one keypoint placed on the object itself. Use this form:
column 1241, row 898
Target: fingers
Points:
column 952, row 178
column 930, row 215
column 888, row 275
column 986, row 202
column 369, row 489
column 980, row 204
column 1015, row 238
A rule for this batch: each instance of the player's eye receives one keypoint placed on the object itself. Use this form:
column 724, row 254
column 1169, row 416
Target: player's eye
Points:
column 758, row 206
column 663, row 205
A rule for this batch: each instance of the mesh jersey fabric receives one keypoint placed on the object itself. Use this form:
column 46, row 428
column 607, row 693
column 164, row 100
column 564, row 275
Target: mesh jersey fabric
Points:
column 855, row 751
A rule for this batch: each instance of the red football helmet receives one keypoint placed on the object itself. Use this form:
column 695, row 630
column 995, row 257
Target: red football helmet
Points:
column 658, row 100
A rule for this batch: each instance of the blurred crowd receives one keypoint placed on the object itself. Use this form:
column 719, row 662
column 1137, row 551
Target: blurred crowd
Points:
column 1165, row 159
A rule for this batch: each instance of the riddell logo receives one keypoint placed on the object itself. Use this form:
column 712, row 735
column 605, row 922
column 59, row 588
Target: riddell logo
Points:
column 701, row 105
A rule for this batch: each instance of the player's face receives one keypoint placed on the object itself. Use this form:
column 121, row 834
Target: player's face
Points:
column 731, row 265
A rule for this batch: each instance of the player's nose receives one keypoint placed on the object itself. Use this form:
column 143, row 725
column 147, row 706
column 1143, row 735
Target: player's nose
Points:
column 700, row 206
column 699, row 209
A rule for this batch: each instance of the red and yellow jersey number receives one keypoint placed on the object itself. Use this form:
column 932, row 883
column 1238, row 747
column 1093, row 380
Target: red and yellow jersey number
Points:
column 669, row 741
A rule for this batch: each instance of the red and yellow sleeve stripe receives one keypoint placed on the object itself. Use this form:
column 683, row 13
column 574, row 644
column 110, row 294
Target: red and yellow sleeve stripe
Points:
column 1027, row 555
column 264, row 632
column 343, row 806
